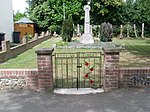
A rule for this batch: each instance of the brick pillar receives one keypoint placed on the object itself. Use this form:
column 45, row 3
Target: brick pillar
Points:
column 45, row 69
column 111, row 68
column 6, row 46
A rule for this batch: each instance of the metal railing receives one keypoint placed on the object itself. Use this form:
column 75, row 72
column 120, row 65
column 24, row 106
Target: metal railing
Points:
column 78, row 70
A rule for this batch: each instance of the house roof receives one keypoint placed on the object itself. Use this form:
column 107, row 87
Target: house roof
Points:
column 24, row 21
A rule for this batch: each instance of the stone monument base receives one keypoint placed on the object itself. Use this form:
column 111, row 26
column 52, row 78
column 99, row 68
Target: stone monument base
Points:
column 87, row 39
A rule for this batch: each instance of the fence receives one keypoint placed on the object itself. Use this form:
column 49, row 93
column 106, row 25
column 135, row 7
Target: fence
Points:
column 126, row 30
column 77, row 70
column 8, row 52
column 131, row 30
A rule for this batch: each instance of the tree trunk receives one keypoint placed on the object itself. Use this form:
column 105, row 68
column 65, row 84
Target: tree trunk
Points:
column 142, row 30
column 135, row 31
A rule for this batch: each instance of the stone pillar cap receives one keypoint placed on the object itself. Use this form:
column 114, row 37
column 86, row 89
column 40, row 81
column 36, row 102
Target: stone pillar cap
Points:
column 45, row 51
column 113, row 50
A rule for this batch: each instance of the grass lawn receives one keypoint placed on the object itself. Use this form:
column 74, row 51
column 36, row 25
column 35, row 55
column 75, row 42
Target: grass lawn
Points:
column 137, row 53
column 28, row 58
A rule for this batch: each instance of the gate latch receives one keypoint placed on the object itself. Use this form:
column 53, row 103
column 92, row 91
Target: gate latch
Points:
column 80, row 66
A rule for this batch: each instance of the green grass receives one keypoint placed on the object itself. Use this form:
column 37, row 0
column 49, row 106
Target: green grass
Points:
column 62, row 43
column 136, row 46
column 28, row 58
column 137, row 53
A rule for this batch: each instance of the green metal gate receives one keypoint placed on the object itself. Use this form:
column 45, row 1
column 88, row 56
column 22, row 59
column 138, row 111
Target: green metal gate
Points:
column 77, row 70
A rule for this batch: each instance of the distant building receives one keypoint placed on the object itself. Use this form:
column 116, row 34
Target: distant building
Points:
column 6, row 19
column 25, row 27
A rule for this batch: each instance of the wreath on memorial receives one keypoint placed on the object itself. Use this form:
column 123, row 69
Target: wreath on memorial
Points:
column 88, row 74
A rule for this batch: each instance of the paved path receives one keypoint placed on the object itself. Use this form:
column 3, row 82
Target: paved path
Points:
column 123, row 100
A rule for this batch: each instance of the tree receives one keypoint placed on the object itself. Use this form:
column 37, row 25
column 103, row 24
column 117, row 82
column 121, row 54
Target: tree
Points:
column 103, row 10
column 51, row 12
column 67, row 29
column 18, row 16
column 142, row 14
column 134, row 12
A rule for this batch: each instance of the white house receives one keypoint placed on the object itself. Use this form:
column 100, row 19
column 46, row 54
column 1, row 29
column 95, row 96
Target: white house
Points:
column 6, row 19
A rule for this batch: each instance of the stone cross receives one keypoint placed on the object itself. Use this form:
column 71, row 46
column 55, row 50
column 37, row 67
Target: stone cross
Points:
column 87, row 36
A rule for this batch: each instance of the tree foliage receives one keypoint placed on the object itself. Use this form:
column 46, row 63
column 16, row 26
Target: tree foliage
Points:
column 103, row 10
column 18, row 16
column 51, row 12
column 67, row 29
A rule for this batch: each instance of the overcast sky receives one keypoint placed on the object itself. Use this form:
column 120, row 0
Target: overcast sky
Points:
column 19, row 5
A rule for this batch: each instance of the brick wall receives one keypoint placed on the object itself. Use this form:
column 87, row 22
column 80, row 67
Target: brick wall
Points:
column 128, row 76
column 115, row 77
column 35, row 79
column 8, row 52
column 18, row 78
column 42, row 77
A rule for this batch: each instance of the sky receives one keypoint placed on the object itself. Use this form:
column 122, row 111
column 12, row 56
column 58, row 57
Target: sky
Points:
column 19, row 5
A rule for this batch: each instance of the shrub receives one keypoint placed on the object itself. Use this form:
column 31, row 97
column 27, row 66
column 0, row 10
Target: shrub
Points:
column 29, row 36
column 106, row 32
column 116, row 31
column 67, row 29
column 81, row 29
column 96, row 31
column 62, row 43
column 55, row 28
